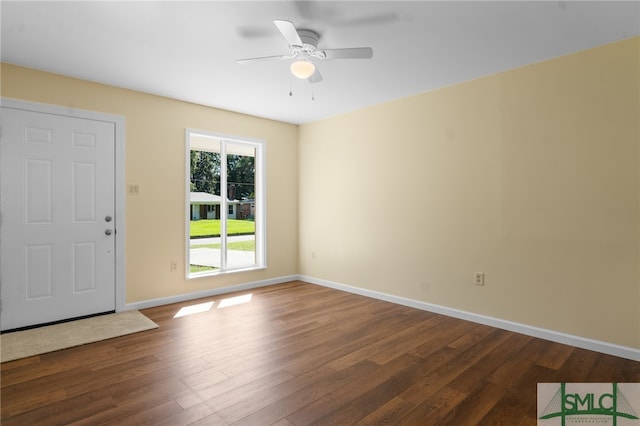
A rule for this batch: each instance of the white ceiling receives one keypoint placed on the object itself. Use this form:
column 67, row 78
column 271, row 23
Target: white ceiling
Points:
column 188, row 50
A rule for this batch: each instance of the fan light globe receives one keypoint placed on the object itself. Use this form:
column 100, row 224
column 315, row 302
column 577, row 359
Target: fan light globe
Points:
column 302, row 69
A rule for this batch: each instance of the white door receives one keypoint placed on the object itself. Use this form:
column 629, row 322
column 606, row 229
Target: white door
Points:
column 57, row 236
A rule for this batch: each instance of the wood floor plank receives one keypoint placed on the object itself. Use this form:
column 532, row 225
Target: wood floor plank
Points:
column 229, row 392
column 187, row 416
column 386, row 413
column 331, row 404
column 475, row 406
column 451, row 330
column 607, row 368
column 299, row 354
column 295, row 394
column 513, row 369
column 578, row 366
column 459, row 361
column 436, row 406
column 60, row 412
column 554, row 355
column 394, row 384
column 334, row 351
column 520, row 398
column 511, row 409
column 404, row 341
column 348, row 414
column 382, row 343
column 283, row 422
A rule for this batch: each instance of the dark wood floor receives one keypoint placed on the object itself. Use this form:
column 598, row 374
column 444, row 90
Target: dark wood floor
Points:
column 300, row 354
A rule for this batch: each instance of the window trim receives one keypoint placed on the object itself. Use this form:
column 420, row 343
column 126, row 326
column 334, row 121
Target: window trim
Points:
column 260, row 217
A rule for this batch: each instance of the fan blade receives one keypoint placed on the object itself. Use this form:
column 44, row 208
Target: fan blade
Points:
column 316, row 77
column 263, row 58
column 349, row 53
column 289, row 32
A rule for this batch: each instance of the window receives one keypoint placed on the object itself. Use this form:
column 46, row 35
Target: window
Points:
column 223, row 174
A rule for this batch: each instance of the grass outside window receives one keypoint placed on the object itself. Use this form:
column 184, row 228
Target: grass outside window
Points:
column 211, row 227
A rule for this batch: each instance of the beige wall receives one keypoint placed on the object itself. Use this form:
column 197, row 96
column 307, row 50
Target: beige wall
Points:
column 530, row 176
column 155, row 160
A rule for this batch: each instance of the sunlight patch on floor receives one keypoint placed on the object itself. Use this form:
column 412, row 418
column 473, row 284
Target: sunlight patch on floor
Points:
column 205, row 307
column 231, row 301
column 194, row 309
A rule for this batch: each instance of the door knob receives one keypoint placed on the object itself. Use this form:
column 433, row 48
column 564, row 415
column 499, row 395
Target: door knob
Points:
column 107, row 218
column 107, row 231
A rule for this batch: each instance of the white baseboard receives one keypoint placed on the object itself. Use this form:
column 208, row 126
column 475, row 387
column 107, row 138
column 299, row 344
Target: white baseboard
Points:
column 208, row 293
column 554, row 336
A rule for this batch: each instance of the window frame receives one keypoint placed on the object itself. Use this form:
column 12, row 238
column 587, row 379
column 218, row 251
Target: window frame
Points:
column 260, row 217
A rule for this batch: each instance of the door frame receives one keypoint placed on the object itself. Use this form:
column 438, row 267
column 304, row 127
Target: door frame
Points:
column 119, row 210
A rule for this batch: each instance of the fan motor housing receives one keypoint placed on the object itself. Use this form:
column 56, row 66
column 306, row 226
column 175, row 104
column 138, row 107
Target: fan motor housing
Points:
column 309, row 38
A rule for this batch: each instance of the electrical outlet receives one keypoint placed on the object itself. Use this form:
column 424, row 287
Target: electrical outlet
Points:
column 479, row 278
column 174, row 265
column 134, row 189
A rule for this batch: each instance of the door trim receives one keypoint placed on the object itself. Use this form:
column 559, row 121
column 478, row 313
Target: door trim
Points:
column 119, row 212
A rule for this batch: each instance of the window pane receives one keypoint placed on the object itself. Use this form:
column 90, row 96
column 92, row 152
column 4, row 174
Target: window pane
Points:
column 205, row 204
column 241, row 240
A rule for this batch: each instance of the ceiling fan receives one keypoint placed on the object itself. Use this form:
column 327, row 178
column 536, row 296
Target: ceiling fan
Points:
column 303, row 47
